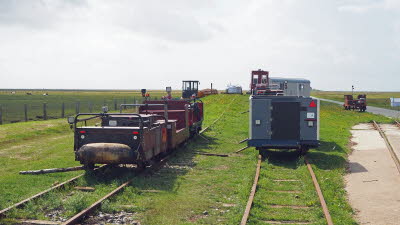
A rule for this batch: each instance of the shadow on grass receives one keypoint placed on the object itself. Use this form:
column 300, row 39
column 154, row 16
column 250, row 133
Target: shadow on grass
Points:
column 328, row 156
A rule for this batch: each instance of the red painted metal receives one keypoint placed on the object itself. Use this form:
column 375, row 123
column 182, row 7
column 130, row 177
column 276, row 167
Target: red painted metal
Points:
column 259, row 79
column 355, row 104
column 259, row 84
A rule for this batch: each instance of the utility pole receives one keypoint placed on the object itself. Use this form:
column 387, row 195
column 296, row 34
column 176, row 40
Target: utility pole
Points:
column 352, row 90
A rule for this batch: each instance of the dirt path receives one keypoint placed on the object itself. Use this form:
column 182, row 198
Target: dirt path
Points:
column 373, row 180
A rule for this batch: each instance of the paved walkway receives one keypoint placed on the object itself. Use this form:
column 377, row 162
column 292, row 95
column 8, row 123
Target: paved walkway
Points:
column 371, row 109
column 373, row 181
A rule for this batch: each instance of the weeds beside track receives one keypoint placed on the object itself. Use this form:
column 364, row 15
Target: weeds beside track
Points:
column 302, row 205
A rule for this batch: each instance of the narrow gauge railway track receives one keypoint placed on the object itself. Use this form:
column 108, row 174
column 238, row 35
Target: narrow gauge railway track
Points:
column 84, row 213
column 254, row 189
column 397, row 123
column 81, row 215
column 387, row 142
column 3, row 212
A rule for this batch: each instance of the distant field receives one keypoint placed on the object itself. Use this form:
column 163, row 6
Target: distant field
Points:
column 378, row 99
column 12, row 104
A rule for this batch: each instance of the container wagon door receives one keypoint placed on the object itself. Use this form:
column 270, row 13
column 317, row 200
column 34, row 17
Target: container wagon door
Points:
column 285, row 121
column 260, row 119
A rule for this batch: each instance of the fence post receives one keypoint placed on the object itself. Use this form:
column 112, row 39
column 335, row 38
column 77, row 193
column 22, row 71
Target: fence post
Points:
column 26, row 112
column 90, row 107
column 1, row 114
column 115, row 104
column 63, row 110
column 124, row 103
column 77, row 106
column 45, row 111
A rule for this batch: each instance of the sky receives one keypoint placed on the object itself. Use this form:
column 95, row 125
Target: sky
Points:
column 133, row 44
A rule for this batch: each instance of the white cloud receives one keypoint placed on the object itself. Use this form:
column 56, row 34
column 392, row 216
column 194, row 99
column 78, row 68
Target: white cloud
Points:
column 152, row 44
column 357, row 6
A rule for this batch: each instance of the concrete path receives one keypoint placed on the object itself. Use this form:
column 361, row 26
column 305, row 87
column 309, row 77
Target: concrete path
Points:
column 371, row 109
column 373, row 181
column 393, row 135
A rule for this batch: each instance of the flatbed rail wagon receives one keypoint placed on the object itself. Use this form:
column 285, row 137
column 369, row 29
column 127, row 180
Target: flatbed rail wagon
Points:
column 135, row 138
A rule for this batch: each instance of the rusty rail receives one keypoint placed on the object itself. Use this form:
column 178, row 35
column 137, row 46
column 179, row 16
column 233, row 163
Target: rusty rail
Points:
column 389, row 146
column 319, row 192
column 80, row 216
column 23, row 202
column 252, row 193
column 397, row 123
column 316, row 185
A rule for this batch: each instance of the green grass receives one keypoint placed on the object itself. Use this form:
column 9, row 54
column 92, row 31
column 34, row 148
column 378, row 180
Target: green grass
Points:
column 13, row 104
column 378, row 99
column 329, row 164
column 192, row 188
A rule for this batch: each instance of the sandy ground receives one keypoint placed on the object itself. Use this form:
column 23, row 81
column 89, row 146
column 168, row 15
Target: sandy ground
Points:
column 373, row 181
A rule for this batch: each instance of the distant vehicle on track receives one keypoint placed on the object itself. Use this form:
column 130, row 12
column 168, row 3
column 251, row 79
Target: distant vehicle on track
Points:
column 355, row 104
column 234, row 89
column 207, row 92
column 190, row 88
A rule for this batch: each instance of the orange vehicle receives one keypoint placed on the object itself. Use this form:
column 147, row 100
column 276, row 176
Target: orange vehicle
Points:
column 206, row 92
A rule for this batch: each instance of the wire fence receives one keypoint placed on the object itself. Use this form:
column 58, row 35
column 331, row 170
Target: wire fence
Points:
column 14, row 112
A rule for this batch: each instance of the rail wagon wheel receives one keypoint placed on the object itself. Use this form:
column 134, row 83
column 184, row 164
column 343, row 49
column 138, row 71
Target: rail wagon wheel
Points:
column 141, row 165
column 88, row 166
column 304, row 150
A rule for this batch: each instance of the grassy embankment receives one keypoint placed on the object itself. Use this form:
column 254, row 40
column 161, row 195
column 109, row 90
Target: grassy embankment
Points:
column 192, row 188
column 378, row 99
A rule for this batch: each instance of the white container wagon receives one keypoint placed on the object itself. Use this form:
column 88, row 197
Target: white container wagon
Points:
column 292, row 86
column 234, row 89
